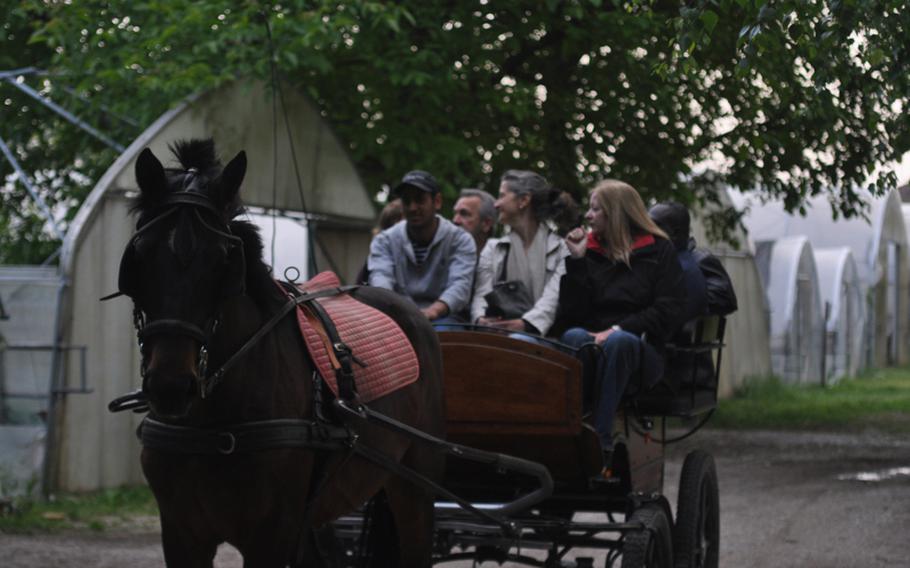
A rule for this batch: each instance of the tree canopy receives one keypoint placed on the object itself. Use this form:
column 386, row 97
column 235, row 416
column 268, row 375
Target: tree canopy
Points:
column 789, row 98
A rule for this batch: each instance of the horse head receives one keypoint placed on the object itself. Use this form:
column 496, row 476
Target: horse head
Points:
column 181, row 266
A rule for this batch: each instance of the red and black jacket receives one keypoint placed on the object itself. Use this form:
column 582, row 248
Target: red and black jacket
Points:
column 645, row 296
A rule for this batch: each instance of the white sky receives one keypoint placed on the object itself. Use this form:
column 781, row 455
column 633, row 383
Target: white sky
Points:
column 903, row 171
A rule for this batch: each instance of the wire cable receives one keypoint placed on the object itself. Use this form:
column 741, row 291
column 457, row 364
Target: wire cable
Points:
column 277, row 89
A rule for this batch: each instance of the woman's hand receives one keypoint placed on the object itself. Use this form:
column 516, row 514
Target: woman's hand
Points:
column 484, row 320
column 577, row 242
column 602, row 336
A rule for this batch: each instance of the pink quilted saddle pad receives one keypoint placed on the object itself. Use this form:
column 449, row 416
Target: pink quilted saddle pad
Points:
column 373, row 337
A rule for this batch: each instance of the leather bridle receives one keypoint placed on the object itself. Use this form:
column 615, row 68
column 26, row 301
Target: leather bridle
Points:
column 189, row 197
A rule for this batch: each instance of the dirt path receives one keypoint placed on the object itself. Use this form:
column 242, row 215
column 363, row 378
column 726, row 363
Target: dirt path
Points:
column 787, row 499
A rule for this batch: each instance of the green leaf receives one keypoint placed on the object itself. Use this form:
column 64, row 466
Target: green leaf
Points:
column 391, row 20
column 709, row 19
column 875, row 57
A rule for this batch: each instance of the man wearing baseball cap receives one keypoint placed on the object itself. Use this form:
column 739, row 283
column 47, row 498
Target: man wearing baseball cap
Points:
column 425, row 257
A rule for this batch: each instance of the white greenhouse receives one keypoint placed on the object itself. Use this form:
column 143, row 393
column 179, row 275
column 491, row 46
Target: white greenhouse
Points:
column 844, row 306
column 879, row 247
column 788, row 271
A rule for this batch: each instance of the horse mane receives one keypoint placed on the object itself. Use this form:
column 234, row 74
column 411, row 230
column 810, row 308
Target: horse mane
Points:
column 197, row 153
column 259, row 282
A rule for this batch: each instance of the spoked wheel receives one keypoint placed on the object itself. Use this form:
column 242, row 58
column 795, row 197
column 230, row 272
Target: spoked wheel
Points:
column 696, row 537
column 651, row 547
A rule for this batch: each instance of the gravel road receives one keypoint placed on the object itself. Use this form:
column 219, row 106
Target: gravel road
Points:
column 788, row 499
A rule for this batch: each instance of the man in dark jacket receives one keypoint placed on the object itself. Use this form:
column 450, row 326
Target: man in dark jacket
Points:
column 673, row 218
column 709, row 292
column 709, row 288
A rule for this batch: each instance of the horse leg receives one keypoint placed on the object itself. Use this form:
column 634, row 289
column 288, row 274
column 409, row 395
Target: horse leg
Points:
column 272, row 545
column 382, row 536
column 412, row 511
column 320, row 549
column 182, row 551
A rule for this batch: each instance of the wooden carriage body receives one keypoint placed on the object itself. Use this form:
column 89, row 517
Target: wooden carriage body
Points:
column 525, row 399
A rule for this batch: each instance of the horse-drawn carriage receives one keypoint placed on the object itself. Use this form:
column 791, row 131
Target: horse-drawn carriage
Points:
column 257, row 434
column 526, row 400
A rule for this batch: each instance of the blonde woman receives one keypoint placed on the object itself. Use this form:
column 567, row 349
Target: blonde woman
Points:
column 531, row 253
column 622, row 280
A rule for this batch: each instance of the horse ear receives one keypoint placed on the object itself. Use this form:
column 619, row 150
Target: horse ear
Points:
column 150, row 175
column 232, row 177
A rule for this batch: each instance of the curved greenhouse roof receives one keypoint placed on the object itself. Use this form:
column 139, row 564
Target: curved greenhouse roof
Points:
column 791, row 282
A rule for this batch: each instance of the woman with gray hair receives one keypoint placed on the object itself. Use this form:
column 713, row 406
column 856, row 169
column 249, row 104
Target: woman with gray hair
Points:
column 531, row 253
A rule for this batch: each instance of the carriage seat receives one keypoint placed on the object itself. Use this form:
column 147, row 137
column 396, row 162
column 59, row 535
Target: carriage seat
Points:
column 691, row 372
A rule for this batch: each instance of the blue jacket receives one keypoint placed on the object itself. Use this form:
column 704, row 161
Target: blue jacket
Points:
column 447, row 274
column 696, row 289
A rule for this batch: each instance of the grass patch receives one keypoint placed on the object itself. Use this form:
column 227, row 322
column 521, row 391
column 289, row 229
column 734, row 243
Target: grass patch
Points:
column 96, row 511
column 877, row 399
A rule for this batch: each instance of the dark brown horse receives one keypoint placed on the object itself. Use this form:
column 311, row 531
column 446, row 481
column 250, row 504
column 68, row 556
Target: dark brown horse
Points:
column 201, row 290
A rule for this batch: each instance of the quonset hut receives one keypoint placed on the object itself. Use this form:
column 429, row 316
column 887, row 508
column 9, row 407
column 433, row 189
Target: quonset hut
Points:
column 843, row 303
column 317, row 186
column 879, row 247
column 787, row 267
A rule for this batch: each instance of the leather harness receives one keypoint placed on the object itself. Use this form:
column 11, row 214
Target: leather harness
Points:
column 250, row 436
column 319, row 433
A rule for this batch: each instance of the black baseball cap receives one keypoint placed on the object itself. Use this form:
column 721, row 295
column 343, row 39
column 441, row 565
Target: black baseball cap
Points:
column 420, row 179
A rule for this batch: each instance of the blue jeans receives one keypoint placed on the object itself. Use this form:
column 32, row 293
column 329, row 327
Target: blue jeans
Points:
column 622, row 358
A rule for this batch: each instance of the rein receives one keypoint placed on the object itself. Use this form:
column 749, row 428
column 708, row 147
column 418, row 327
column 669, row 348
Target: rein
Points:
column 137, row 401
column 209, row 382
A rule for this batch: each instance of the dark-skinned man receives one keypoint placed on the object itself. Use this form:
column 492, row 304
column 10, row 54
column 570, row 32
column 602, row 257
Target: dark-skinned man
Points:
column 425, row 257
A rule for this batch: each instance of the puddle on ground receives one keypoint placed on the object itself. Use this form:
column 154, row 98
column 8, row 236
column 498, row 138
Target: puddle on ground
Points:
column 875, row 476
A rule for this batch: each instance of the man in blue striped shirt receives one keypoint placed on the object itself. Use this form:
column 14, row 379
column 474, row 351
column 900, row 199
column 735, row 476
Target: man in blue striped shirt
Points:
column 425, row 257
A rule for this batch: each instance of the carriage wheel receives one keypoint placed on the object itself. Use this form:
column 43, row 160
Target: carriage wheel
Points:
column 651, row 547
column 696, row 538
